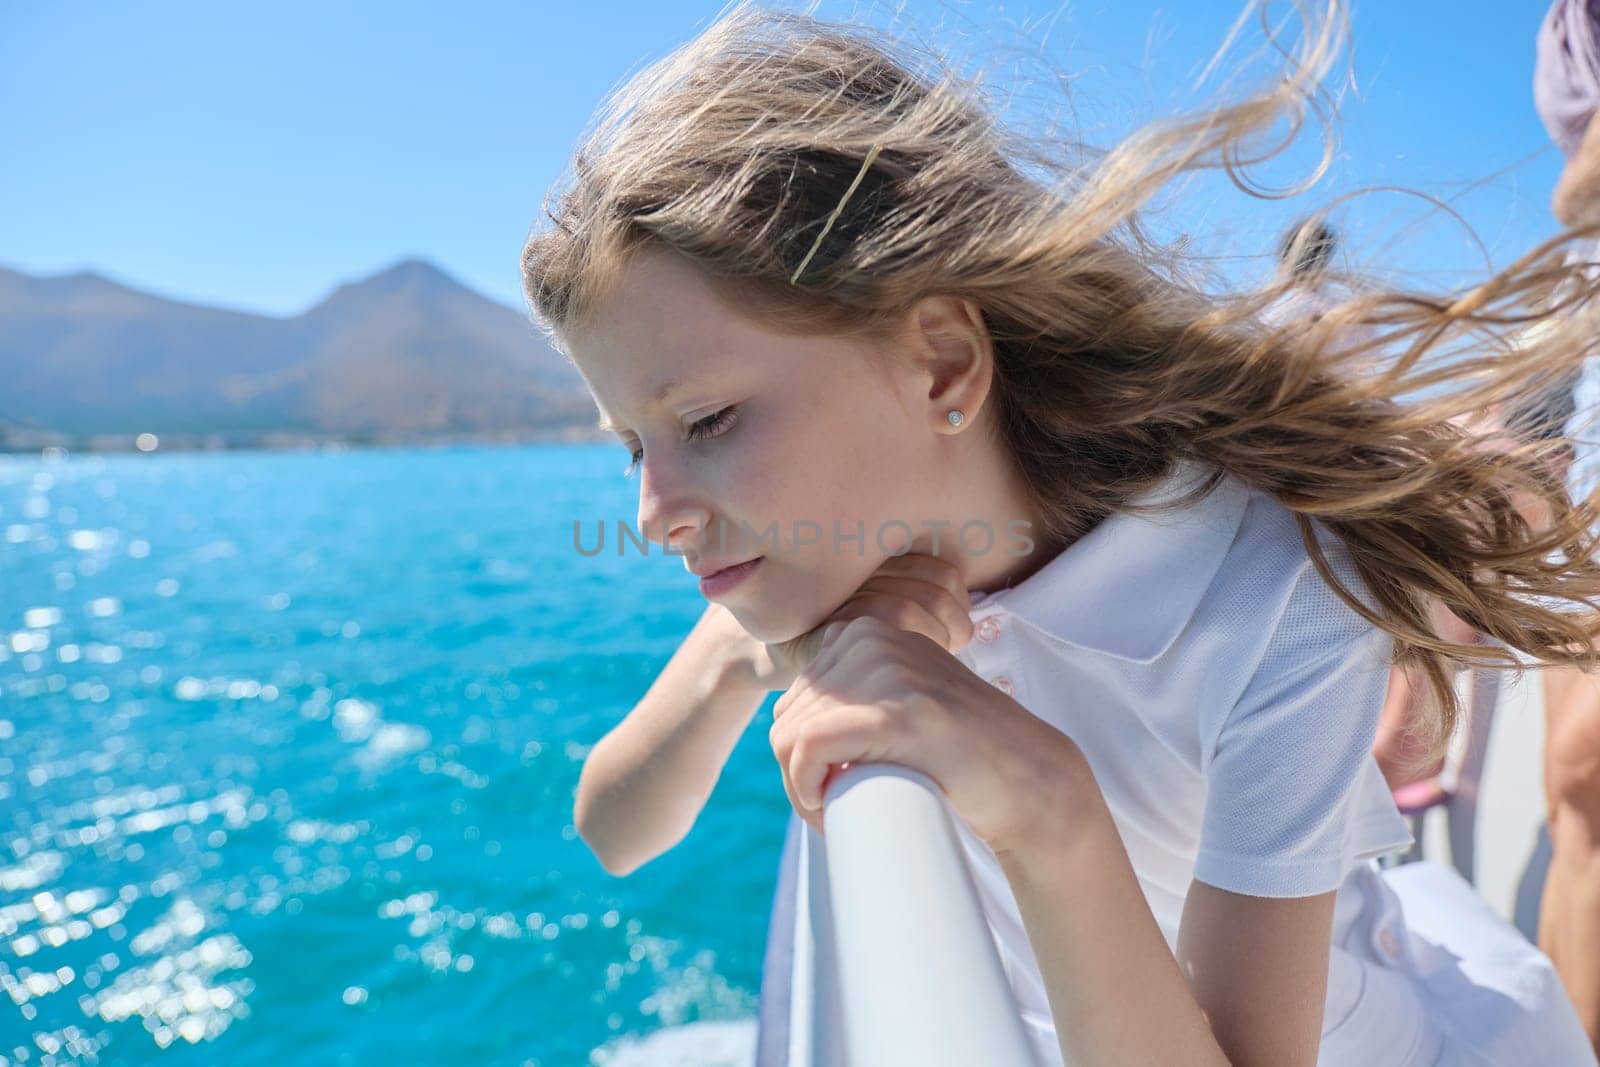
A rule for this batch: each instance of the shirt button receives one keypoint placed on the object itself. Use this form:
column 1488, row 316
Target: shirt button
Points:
column 988, row 629
column 1002, row 684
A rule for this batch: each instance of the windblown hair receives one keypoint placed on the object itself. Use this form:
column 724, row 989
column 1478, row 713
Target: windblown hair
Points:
column 743, row 153
column 1307, row 247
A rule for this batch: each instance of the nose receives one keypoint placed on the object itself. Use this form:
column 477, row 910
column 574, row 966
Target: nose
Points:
column 671, row 512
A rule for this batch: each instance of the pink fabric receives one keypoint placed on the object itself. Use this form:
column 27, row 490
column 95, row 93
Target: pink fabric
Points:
column 1566, row 74
column 1414, row 797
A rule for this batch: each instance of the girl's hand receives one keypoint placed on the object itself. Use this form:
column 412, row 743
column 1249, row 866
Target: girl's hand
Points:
column 877, row 693
column 912, row 591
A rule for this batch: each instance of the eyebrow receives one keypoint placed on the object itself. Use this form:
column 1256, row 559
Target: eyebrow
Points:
column 662, row 391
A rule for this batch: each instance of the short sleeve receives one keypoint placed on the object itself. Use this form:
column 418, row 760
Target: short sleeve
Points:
column 1294, row 796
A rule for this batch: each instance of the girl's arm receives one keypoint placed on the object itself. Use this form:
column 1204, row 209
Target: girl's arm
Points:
column 1258, row 967
column 1403, row 752
column 1248, row 984
column 644, row 783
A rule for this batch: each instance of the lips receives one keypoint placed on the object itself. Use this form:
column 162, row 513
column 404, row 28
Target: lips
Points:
column 706, row 570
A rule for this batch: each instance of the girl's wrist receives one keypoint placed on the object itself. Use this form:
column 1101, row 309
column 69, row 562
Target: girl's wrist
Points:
column 1063, row 805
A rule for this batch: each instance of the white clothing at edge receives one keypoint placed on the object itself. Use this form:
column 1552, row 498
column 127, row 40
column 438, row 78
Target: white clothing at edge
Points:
column 1227, row 701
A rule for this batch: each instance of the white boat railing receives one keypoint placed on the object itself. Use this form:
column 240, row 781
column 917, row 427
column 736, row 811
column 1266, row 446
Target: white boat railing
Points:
column 901, row 968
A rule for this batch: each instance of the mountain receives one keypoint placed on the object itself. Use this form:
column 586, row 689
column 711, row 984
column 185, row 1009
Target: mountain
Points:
column 406, row 353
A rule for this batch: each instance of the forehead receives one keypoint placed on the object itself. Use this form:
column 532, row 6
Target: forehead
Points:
column 661, row 330
column 664, row 330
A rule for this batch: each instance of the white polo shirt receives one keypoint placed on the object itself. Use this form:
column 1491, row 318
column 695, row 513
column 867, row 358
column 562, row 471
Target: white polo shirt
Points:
column 1227, row 700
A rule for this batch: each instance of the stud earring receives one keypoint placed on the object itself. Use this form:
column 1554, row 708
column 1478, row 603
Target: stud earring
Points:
column 954, row 417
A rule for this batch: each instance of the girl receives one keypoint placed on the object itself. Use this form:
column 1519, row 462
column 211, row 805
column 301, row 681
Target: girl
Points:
column 853, row 343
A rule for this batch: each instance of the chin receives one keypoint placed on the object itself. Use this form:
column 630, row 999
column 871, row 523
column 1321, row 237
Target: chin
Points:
column 763, row 627
column 773, row 616
column 771, row 624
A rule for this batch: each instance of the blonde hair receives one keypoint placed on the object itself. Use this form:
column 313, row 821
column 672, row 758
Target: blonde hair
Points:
column 736, row 151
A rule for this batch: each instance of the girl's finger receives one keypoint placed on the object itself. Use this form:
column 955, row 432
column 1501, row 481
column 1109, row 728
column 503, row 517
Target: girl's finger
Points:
column 903, row 614
column 794, row 799
column 804, row 651
column 781, row 747
column 954, row 619
column 848, row 733
column 823, row 648
column 794, row 700
column 923, row 567
column 785, row 702
column 785, row 733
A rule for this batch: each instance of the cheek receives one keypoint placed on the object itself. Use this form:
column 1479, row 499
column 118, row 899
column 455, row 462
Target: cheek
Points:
column 842, row 458
column 757, row 470
column 783, row 467
column 887, row 479
column 872, row 474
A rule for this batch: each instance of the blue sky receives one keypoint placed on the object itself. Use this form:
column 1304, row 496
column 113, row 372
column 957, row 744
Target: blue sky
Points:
column 254, row 156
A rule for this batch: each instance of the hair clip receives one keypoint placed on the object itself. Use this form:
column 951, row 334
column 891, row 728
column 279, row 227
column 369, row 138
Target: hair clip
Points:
column 862, row 173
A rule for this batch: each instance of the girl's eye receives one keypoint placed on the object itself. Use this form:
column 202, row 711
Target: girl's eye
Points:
column 713, row 425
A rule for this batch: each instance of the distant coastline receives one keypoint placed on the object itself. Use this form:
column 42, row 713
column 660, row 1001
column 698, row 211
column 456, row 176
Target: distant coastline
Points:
column 405, row 357
column 21, row 442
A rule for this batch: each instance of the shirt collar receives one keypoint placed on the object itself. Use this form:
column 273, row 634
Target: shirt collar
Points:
column 1129, row 586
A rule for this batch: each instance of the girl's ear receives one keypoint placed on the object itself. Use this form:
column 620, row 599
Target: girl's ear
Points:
column 951, row 348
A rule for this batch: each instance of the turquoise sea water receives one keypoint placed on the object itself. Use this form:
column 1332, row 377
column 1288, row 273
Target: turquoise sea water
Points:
column 288, row 746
